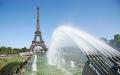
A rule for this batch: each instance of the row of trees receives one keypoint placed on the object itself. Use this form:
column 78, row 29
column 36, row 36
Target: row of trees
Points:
column 9, row 50
column 115, row 42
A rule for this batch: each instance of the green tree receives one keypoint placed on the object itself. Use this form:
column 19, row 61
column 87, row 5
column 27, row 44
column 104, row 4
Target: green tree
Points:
column 7, row 50
column 117, row 37
column 115, row 43
column 24, row 49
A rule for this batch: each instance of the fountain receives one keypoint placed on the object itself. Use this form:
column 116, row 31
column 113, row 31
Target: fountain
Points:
column 72, row 64
column 87, row 44
column 34, row 67
column 73, row 52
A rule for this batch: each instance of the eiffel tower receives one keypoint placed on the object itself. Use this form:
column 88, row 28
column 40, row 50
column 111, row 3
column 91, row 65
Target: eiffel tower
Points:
column 38, row 44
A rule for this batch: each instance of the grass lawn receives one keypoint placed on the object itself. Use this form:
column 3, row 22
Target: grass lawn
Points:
column 10, row 64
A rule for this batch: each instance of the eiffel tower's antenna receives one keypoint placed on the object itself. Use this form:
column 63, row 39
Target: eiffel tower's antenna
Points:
column 38, row 17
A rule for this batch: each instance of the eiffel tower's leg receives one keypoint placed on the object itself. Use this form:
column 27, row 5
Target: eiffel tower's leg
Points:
column 38, row 44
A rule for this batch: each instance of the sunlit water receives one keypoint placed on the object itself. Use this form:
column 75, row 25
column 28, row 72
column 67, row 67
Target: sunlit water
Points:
column 34, row 67
column 66, row 54
column 66, row 36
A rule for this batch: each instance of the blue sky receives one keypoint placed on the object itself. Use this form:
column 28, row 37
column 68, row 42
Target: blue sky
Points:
column 100, row 18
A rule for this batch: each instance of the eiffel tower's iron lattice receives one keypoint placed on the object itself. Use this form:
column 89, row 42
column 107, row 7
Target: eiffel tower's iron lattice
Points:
column 38, row 45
